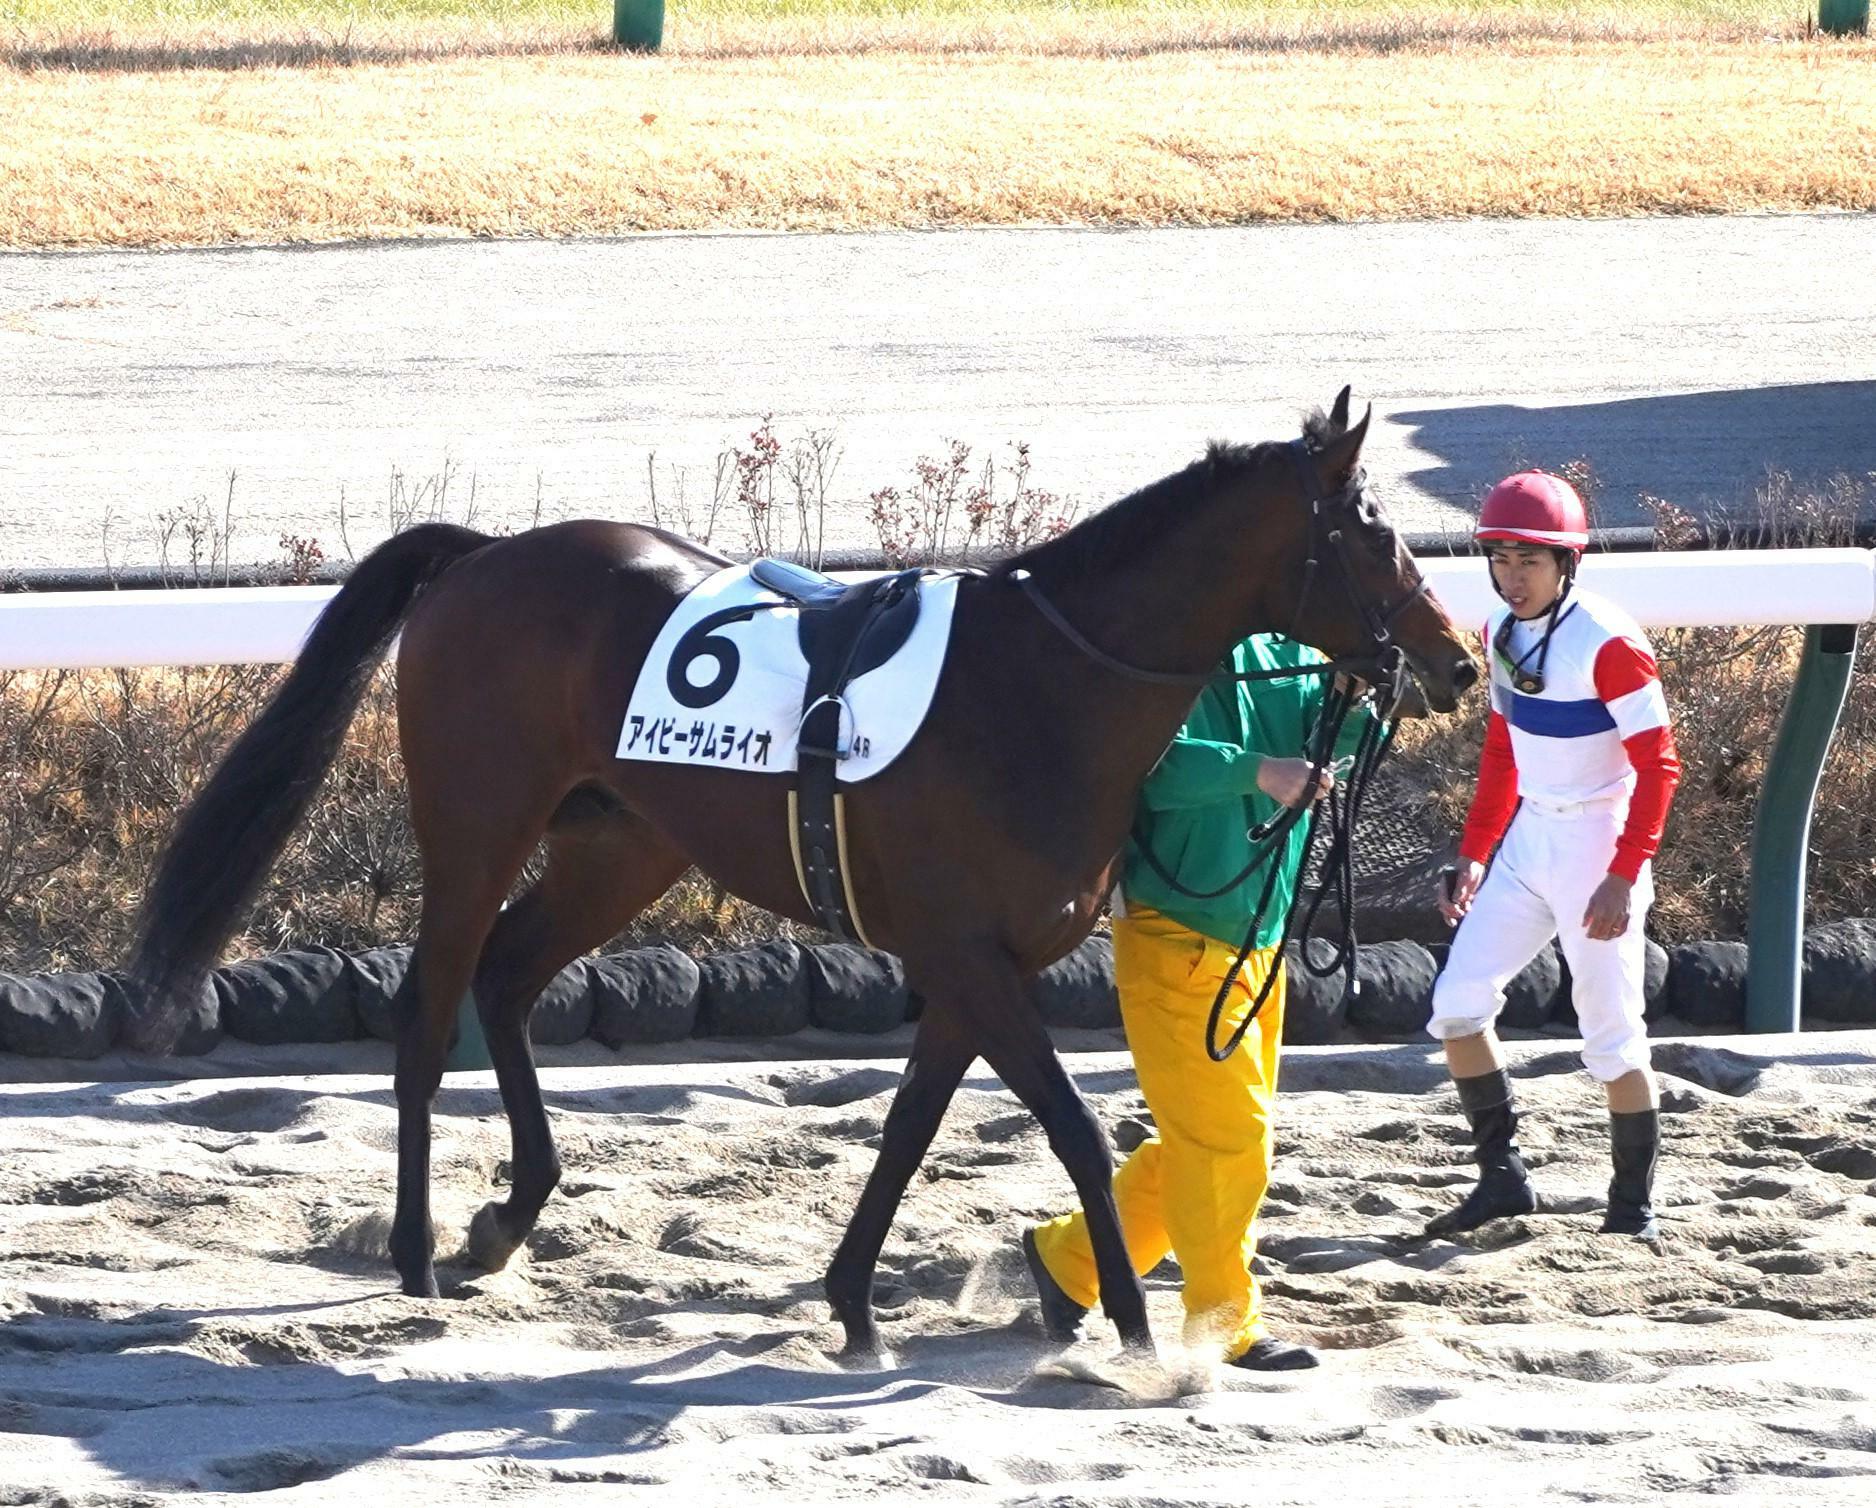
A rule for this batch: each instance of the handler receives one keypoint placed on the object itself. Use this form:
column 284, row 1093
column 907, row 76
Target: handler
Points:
column 1194, row 1188
column 1579, row 764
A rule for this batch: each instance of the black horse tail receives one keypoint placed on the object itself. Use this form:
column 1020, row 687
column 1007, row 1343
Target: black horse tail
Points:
column 230, row 835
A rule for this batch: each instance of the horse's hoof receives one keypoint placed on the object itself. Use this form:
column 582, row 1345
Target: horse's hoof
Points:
column 490, row 1246
column 422, row 1287
column 864, row 1356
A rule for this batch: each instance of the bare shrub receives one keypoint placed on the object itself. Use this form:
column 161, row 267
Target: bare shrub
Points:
column 915, row 526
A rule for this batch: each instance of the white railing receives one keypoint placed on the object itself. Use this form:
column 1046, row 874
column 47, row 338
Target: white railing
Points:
column 266, row 625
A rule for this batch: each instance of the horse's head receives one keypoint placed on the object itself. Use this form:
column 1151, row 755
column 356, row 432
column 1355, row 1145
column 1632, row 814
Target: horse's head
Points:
column 1357, row 592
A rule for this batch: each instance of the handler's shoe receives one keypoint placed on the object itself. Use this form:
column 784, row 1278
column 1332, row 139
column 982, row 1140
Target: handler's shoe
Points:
column 1504, row 1188
column 1273, row 1355
column 1061, row 1315
column 1634, row 1142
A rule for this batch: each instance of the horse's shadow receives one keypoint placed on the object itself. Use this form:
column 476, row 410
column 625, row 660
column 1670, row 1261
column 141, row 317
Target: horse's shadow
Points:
column 129, row 1395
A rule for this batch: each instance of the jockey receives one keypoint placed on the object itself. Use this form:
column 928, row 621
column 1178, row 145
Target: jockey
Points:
column 1577, row 773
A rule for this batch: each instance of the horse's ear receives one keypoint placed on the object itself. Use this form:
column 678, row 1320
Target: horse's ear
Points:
column 1339, row 458
column 1338, row 415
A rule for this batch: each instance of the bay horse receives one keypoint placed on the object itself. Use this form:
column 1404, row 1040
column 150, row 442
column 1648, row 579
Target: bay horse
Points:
column 982, row 854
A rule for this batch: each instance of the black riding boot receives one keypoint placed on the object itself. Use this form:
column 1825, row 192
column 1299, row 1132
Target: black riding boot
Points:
column 1504, row 1188
column 1634, row 1140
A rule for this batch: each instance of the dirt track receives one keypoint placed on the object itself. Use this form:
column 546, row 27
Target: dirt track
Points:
column 193, row 1300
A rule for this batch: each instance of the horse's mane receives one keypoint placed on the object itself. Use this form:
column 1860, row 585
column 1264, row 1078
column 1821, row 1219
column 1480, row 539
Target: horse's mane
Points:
column 1122, row 530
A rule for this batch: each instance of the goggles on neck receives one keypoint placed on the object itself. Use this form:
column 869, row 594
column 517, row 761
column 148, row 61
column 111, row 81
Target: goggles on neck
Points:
column 1524, row 677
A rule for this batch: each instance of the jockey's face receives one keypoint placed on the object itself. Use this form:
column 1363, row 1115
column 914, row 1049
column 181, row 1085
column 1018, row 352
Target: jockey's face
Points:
column 1529, row 577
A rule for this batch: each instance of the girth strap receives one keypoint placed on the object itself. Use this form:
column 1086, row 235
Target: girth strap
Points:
column 843, row 637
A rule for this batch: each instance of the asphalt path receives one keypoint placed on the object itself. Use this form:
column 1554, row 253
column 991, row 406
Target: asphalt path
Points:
column 1684, row 358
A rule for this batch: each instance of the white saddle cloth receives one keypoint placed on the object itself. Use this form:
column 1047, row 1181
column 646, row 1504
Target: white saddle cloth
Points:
column 753, row 721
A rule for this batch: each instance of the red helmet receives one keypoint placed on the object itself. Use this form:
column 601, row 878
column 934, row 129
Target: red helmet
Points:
column 1534, row 508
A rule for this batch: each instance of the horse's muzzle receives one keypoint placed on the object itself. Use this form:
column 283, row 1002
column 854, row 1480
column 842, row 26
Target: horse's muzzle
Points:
column 1443, row 685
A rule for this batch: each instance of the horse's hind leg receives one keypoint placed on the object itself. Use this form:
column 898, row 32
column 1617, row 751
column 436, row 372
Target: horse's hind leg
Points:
column 463, row 891
column 601, row 872
column 941, row 1052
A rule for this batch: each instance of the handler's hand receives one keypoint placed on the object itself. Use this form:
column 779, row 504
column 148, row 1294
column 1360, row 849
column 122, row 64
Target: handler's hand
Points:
column 1468, row 875
column 1607, row 916
column 1286, row 781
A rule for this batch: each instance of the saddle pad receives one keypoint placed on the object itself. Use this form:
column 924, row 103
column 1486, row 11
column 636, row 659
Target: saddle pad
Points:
column 739, row 705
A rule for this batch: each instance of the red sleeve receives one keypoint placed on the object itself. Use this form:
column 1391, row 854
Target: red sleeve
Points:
column 1497, row 794
column 1630, row 687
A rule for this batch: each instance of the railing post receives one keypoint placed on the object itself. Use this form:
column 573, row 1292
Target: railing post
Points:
column 638, row 25
column 1843, row 18
column 1782, row 827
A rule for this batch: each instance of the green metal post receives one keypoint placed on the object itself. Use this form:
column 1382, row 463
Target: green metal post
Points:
column 470, row 1051
column 1843, row 18
column 638, row 24
column 1782, row 827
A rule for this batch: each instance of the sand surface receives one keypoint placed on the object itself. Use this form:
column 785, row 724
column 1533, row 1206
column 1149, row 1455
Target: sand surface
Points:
column 193, row 1303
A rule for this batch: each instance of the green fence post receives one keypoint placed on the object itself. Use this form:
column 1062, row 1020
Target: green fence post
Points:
column 469, row 1053
column 1843, row 18
column 1782, row 826
column 638, row 24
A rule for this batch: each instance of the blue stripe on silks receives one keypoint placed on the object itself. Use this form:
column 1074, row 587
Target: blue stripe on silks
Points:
column 1532, row 714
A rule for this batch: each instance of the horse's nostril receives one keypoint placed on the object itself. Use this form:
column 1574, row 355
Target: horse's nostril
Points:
column 1465, row 675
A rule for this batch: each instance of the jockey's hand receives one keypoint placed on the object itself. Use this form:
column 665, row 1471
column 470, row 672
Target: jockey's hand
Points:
column 1287, row 782
column 1607, row 916
column 1457, row 888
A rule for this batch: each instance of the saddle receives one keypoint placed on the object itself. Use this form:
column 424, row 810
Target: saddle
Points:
column 846, row 629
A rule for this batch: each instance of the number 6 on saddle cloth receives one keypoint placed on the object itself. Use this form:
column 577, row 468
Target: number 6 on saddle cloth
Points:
column 775, row 700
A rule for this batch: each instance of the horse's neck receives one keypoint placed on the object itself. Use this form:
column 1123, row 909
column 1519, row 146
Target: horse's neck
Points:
column 1181, row 603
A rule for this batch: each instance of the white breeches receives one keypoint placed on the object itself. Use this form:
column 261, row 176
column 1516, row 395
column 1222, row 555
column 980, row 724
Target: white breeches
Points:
column 1539, row 886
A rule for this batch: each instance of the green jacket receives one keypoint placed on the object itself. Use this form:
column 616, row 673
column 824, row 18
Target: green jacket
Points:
column 1201, row 799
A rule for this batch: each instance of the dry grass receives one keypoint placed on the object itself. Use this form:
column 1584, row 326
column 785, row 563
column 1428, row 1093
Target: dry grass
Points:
column 94, row 767
column 579, row 143
column 143, row 34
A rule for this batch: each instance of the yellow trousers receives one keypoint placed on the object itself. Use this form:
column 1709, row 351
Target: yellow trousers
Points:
column 1194, row 1189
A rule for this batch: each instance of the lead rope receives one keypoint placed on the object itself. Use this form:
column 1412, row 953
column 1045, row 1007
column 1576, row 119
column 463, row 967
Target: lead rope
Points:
column 1335, row 710
column 1337, row 868
column 1339, row 861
